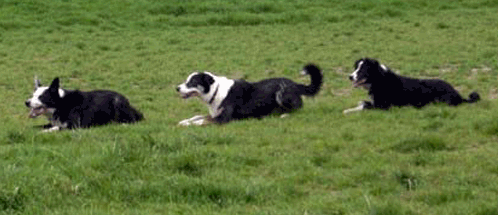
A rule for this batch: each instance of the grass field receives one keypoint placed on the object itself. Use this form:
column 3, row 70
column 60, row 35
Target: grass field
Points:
column 435, row 160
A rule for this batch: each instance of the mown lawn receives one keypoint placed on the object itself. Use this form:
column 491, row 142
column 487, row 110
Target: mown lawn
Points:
column 435, row 160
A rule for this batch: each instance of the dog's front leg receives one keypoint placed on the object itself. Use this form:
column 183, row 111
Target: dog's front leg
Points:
column 196, row 120
column 53, row 128
column 57, row 126
column 361, row 105
column 224, row 115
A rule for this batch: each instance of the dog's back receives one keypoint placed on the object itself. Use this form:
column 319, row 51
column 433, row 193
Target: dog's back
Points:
column 400, row 90
column 85, row 109
column 273, row 95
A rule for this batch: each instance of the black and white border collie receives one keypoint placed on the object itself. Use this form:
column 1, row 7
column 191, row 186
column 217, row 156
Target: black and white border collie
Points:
column 229, row 99
column 388, row 89
column 76, row 109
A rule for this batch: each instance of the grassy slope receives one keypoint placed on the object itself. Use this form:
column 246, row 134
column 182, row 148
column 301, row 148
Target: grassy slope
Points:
column 438, row 160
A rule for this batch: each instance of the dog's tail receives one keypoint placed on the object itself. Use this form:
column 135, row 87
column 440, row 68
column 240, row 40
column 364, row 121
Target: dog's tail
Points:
column 473, row 97
column 316, row 80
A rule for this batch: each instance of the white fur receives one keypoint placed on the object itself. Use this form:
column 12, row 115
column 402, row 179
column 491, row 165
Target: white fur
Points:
column 183, row 89
column 360, row 107
column 223, row 85
column 56, row 126
column 383, row 67
column 355, row 73
column 35, row 102
column 196, row 120
column 51, row 129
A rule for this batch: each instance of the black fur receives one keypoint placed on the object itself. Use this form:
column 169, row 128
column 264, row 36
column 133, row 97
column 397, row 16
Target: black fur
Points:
column 388, row 89
column 77, row 109
column 201, row 79
column 258, row 99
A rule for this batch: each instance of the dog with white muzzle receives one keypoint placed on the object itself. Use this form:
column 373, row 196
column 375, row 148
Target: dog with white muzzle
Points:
column 69, row 109
column 229, row 99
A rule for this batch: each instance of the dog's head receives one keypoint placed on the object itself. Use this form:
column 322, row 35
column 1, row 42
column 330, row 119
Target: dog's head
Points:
column 366, row 72
column 197, row 84
column 44, row 100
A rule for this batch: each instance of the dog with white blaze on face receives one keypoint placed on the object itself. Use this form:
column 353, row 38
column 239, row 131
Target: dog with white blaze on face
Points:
column 69, row 109
column 388, row 89
column 229, row 99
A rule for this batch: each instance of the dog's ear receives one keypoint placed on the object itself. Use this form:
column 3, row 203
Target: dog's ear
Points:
column 37, row 82
column 207, row 81
column 375, row 62
column 55, row 84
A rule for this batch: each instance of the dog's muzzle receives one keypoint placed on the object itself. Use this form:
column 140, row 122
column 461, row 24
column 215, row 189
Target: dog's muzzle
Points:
column 188, row 95
column 34, row 112
column 357, row 83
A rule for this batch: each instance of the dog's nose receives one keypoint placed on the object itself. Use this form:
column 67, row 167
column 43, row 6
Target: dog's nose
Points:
column 178, row 89
column 27, row 103
column 350, row 77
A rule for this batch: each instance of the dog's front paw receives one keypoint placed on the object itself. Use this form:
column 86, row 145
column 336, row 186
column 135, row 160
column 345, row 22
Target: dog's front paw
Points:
column 361, row 106
column 52, row 129
column 199, row 122
column 185, row 122
column 196, row 120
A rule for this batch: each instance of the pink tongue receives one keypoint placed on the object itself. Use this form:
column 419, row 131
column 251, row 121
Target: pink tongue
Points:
column 36, row 112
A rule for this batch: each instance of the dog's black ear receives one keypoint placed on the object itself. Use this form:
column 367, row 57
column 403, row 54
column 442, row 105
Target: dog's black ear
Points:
column 55, row 84
column 375, row 62
column 207, row 81
column 37, row 82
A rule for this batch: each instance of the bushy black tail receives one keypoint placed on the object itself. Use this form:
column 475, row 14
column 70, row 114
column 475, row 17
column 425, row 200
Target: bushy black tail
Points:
column 316, row 80
column 473, row 97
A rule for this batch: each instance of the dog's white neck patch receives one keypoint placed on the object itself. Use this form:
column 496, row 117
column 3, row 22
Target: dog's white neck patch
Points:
column 355, row 73
column 223, row 85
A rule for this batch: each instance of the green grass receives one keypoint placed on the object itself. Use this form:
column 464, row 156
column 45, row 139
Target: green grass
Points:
column 435, row 160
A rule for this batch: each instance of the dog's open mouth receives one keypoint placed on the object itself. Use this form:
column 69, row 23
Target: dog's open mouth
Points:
column 34, row 112
column 188, row 95
column 359, row 83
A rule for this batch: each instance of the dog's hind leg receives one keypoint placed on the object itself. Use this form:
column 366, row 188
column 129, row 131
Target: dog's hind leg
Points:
column 288, row 100
column 291, row 102
column 451, row 99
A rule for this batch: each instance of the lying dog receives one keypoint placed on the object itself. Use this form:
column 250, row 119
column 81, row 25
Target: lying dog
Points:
column 229, row 99
column 388, row 89
column 76, row 109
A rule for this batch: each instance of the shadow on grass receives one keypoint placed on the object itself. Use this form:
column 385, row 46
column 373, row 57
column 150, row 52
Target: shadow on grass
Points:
column 415, row 144
column 445, row 196
column 12, row 202
column 390, row 209
column 488, row 211
column 197, row 192
column 488, row 127
column 13, row 137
